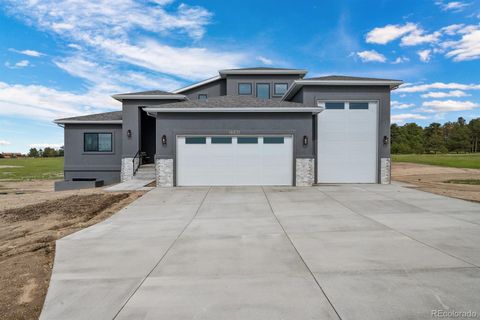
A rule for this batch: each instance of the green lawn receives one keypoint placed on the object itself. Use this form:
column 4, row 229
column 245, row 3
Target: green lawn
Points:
column 31, row 168
column 445, row 160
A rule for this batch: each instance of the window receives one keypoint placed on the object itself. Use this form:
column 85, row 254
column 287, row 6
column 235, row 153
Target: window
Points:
column 263, row 91
column 358, row 105
column 97, row 142
column 273, row 140
column 279, row 89
column 202, row 96
column 195, row 140
column 221, row 140
column 247, row 140
column 244, row 88
column 335, row 105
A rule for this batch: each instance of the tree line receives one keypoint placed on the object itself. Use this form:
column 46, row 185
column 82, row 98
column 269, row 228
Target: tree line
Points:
column 458, row 136
column 45, row 153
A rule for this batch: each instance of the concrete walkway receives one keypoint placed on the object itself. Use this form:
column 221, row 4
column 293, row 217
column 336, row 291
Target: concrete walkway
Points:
column 330, row 252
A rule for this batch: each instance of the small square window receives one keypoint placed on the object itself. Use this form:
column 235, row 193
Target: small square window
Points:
column 221, row 140
column 279, row 89
column 273, row 140
column 335, row 105
column 358, row 105
column 247, row 140
column 244, row 88
column 195, row 140
column 263, row 91
column 202, row 97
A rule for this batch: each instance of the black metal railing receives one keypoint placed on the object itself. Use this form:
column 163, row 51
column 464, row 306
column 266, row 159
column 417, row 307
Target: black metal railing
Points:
column 136, row 165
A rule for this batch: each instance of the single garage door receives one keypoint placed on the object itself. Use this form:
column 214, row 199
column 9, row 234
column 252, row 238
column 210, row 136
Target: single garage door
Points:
column 234, row 160
column 347, row 142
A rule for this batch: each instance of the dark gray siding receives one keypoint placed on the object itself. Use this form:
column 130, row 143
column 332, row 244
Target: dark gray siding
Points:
column 212, row 89
column 310, row 94
column 80, row 164
column 173, row 124
column 233, row 80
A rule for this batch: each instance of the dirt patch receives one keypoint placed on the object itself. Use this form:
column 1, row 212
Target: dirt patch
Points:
column 27, row 245
column 434, row 179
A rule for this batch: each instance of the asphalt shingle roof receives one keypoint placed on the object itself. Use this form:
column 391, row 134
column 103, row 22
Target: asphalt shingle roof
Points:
column 233, row 102
column 106, row 116
column 347, row 78
column 147, row 93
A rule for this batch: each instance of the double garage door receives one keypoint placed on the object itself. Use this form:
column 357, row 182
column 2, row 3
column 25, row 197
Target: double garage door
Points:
column 234, row 160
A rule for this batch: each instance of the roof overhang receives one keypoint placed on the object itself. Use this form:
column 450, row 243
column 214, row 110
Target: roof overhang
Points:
column 198, row 84
column 121, row 97
column 257, row 72
column 298, row 84
column 59, row 121
column 313, row 110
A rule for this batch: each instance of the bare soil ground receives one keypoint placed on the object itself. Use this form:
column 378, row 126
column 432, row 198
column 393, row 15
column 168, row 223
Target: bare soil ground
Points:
column 28, row 230
column 433, row 179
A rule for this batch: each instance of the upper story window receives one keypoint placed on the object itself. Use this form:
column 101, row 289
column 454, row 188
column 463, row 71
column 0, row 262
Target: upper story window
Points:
column 245, row 88
column 97, row 142
column 279, row 89
column 263, row 90
column 202, row 96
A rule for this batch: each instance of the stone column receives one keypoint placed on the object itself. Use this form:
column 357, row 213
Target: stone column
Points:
column 164, row 172
column 127, row 169
column 385, row 170
column 305, row 172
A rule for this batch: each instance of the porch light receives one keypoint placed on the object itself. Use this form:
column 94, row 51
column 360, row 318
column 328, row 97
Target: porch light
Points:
column 164, row 140
column 385, row 140
column 129, row 133
column 305, row 140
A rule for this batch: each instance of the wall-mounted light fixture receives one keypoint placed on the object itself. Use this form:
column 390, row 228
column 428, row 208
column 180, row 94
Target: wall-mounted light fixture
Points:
column 305, row 140
column 164, row 140
column 385, row 140
column 129, row 133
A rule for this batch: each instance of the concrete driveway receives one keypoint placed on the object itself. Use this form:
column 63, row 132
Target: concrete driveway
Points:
column 329, row 252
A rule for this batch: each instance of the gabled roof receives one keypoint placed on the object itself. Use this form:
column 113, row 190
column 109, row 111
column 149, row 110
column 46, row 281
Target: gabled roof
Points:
column 152, row 94
column 263, row 70
column 234, row 104
column 197, row 84
column 105, row 118
column 335, row 80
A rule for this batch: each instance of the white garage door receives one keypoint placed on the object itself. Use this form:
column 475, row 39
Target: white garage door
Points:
column 234, row 161
column 347, row 142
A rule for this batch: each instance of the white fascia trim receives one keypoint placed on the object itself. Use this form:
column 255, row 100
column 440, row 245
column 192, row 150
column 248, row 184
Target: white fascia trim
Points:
column 198, row 84
column 313, row 110
column 87, row 122
column 121, row 97
column 247, row 72
column 297, row 84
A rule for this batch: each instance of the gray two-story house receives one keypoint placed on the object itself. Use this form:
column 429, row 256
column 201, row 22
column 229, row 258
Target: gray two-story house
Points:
column 253, row 126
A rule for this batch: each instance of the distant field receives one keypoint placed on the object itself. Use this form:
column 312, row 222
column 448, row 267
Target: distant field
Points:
column 31, row 169
column 446, row 160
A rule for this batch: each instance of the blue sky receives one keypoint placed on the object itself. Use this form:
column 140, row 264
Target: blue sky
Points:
column 60, row 59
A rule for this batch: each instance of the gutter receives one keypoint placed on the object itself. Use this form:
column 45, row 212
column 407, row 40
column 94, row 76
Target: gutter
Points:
column 87, row 122
column 313, row 110
column 121, row 97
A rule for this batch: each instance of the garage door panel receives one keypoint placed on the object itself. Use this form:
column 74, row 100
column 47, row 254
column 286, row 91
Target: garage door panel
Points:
column 234, row 164
column 347, row 145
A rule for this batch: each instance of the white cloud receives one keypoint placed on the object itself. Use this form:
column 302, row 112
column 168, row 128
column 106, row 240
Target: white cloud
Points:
column 28, row 52
column 398, row 105
column 264, row 60
column 43, row 103
column 18, row 65
column 455, row 6
column 4, row 143
column 448, row 105
column 424, row 55
column 45, row 145
column 452, row 29
column 401, row 118
column 437, row 85
column 400, row 60
column 439, row 94
column 389, row 33
column 419, row 37
column 371, row 56
column 468, row 47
